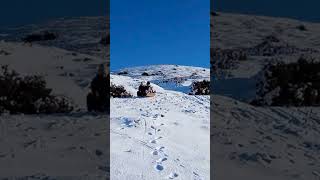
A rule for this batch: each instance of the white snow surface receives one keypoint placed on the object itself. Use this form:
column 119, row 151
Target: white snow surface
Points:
column 163, row 137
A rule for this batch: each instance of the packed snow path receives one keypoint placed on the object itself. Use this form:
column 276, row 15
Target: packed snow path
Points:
column 164, row 137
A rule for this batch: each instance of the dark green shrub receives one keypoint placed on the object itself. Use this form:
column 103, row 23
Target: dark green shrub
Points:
column 200, row 88
column 293, row 84
column 118, row 92
column 28, row 95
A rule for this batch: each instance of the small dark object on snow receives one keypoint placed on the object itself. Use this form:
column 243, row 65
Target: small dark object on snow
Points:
column 145, row 74
column 302, row 27
column 122, row 72
column 146, row 90
column 98, row 152
column 42, row 36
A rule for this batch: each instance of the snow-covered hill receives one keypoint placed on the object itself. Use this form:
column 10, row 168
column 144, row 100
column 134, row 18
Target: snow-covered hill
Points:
column 75, row 144
column 78, row 34
column 163, row 137
column 239, row 31
column 260, row 142
column 260, row 40
column 170, row 77
column 66, row 73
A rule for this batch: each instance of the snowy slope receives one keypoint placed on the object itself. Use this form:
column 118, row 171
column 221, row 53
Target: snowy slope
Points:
column 261, row 142
column 239, row 30
column 164, row 137
column 66, row 73
column 78, row 34
column 69, row 142
column 256, row 35
column 74, row 143
column 264, row 142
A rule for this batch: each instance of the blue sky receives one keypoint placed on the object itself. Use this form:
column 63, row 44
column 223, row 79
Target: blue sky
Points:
column 145, row 32
column 307, row 10
column 19, row 12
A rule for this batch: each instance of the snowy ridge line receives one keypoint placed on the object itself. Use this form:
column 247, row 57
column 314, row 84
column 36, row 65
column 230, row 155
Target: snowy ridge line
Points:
column 169, row 77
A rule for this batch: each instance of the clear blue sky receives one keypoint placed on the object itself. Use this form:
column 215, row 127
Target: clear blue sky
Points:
column 145, row 32
column 19, row 12
column 307, row 10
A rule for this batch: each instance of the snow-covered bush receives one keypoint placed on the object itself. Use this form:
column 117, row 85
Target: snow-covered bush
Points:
column 123, row 73
column 293, row 84
column 5, row 53
column 42, row 36
column 28, row 95
column 118, row 91
column 145, row 74
column 226, row 59
column 272, row 46
column 302, row 27
column 200, row 88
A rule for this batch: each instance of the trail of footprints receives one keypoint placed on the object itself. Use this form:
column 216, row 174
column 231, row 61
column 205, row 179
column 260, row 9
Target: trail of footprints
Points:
column 153, row 132
column 159, row 164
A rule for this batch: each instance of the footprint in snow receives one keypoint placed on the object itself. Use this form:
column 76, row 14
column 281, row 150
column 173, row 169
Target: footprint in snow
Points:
column 157, row 150
column 196, row 174
column 158, row 167
column 154, row 152
column 173, row 175
column 154, row 141
column 129, row 151
column 161, row 160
